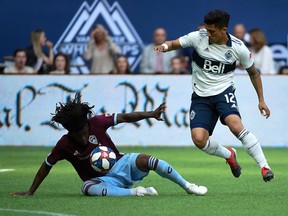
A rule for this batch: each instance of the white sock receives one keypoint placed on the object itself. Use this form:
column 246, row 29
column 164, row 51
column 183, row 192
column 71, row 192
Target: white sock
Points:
column 253, row 147
column 213, row 148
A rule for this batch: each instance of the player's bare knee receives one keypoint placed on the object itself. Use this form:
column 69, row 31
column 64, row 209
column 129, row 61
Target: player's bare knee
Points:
column 142, row 162
column 199, row 141
column 199, row 137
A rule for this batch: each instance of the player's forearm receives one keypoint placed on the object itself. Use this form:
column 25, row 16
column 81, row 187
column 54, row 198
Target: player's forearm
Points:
column 256, row 81
column 134, row 116
column 257, row 84
column 172, row 45
column 40, row 176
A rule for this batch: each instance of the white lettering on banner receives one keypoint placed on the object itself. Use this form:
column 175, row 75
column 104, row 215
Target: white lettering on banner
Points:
column 25, row 109
column 213, row 68
column 280, row 54
column 76, row 36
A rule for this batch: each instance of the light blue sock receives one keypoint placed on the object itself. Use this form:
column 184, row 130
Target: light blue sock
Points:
column 91, row 188
column 165, row 170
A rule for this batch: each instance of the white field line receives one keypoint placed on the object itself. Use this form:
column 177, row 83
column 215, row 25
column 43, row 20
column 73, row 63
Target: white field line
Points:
column 34, row 212
column 6, row 170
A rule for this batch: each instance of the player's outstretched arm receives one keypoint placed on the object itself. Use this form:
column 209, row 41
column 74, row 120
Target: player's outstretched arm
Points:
column 257, row 83
column 40, row 176
column 168, row 46
column 137, row 116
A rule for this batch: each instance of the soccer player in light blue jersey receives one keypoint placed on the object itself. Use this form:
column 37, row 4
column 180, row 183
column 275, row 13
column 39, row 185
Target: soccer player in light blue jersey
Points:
column 214, row 61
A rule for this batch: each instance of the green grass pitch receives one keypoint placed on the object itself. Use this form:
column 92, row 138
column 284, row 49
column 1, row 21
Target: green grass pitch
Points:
column 60, row 193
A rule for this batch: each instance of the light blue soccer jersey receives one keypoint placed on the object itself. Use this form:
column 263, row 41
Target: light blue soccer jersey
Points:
column 213, row 65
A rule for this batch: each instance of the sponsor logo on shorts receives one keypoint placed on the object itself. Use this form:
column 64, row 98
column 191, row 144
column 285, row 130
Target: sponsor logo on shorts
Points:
column 104, row 192
column 192, row 114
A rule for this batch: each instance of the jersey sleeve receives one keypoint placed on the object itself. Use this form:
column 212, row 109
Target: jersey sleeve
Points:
column 245, row 57
column 104, row 121
column 191, row 39
column 55, row 155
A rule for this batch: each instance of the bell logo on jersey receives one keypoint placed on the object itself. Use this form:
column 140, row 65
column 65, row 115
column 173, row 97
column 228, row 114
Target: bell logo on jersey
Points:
column 209, row 67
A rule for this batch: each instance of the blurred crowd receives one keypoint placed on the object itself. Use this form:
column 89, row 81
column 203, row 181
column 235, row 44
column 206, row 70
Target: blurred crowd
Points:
column 104, row 57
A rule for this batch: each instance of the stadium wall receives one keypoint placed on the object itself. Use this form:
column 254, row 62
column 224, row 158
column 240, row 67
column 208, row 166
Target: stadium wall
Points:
column 26, row 104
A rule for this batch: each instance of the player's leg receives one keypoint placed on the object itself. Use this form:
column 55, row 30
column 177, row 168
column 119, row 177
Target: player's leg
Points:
column 213, row 148
column 97, row 187
column 145, row 163
column 201, row 139
column 203, row 119
column 250, row 144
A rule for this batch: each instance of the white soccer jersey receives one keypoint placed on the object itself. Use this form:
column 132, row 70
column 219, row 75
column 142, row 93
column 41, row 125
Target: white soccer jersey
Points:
column 213, row 65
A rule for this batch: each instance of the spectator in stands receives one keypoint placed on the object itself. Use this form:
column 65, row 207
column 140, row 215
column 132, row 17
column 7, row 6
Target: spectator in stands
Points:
column 156, row 62
column 36, row 57
column 20, row 58
column 188, row 51
column 121, row 65
column 262, row 54
column 178, row 65
column 61, row 64
column 239, row 31
column 101, row 50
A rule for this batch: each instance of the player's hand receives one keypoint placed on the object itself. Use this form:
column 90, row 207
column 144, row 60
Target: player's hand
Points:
column 264, row 110
column 25, row 193
column 159, row 48
column 157, row 112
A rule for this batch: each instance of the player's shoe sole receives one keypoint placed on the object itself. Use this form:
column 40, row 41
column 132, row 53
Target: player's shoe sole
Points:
column 267, row 174
column 232, row 161
column 199, row 190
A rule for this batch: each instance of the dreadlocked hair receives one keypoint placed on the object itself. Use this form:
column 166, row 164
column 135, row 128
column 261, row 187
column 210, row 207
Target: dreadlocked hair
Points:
column 72, row 115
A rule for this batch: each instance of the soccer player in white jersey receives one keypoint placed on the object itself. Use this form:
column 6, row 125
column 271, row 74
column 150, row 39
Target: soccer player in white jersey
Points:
column 214, row 61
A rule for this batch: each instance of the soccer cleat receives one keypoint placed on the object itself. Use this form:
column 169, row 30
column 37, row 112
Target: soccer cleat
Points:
column 267, row 174
column 141, row 191
column 235, row 167
column 191, row 188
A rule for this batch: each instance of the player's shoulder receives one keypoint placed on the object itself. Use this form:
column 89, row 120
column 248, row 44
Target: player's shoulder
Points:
column 101, row 118
column 63, row 140
column 236, row 42
column 62, row 143
column 202, row 33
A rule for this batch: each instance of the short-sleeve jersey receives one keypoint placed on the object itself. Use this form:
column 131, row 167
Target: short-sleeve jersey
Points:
column 78, row 155
column 213, row 65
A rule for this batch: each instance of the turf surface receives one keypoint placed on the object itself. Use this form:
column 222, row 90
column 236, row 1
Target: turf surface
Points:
column 60, row 192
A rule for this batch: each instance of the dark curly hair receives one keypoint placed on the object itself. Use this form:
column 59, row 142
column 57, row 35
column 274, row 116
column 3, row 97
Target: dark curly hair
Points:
column 72, row 115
